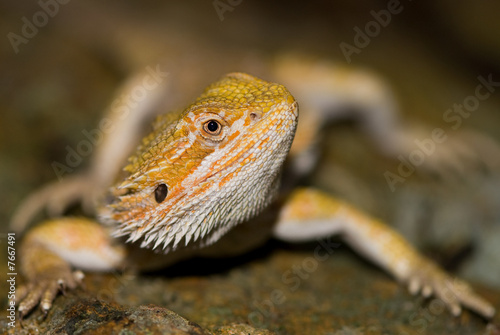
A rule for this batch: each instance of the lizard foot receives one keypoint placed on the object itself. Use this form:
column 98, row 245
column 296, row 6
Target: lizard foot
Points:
column 49, row 252
column 429, row 279
column 43, row 291
column 457, row 156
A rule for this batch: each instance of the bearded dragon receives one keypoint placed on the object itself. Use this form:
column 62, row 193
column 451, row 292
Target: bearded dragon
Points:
column 206, row 181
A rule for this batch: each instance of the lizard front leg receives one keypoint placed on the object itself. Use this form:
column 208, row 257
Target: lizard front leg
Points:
column 49, row 251
column 309, row 214
column 117, row 135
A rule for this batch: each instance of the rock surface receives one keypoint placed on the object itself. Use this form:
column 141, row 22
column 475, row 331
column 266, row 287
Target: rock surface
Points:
column 272, row 291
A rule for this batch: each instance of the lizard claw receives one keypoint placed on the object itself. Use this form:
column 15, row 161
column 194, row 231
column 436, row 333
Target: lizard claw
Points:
column 47, row 273
column 463, row 153
column 43, row 291
column 429, row 279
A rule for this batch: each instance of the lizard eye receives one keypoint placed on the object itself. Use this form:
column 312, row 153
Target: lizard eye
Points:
column 161, row 192
column 212, row 127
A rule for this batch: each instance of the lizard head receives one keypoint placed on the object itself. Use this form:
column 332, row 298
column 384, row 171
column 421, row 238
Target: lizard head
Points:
column 204, row 170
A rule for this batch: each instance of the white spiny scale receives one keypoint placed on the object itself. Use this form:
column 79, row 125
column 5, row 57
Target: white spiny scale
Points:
column 146, row 230
column 185, row 228
column 178, row 238
column 158, row 242
column 144, row 244
column 197, row 232
column 135, row 235
column 161, row 237
column 150, row 238
column 187, row 237
column 155, row 227
column 164, row 231
column 168, row 240
column 175, row 226
column 203, row 230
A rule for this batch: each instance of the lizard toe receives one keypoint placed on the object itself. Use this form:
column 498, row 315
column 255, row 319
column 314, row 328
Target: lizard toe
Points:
column 44, row 291
column 29, row 301
column 454, row 293
column 49, row 294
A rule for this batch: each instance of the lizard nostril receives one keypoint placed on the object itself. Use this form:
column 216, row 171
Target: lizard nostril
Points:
column 161, row 192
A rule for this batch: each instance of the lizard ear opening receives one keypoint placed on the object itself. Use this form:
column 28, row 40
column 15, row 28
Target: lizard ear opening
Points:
column 161, row 192
column 254, row 116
